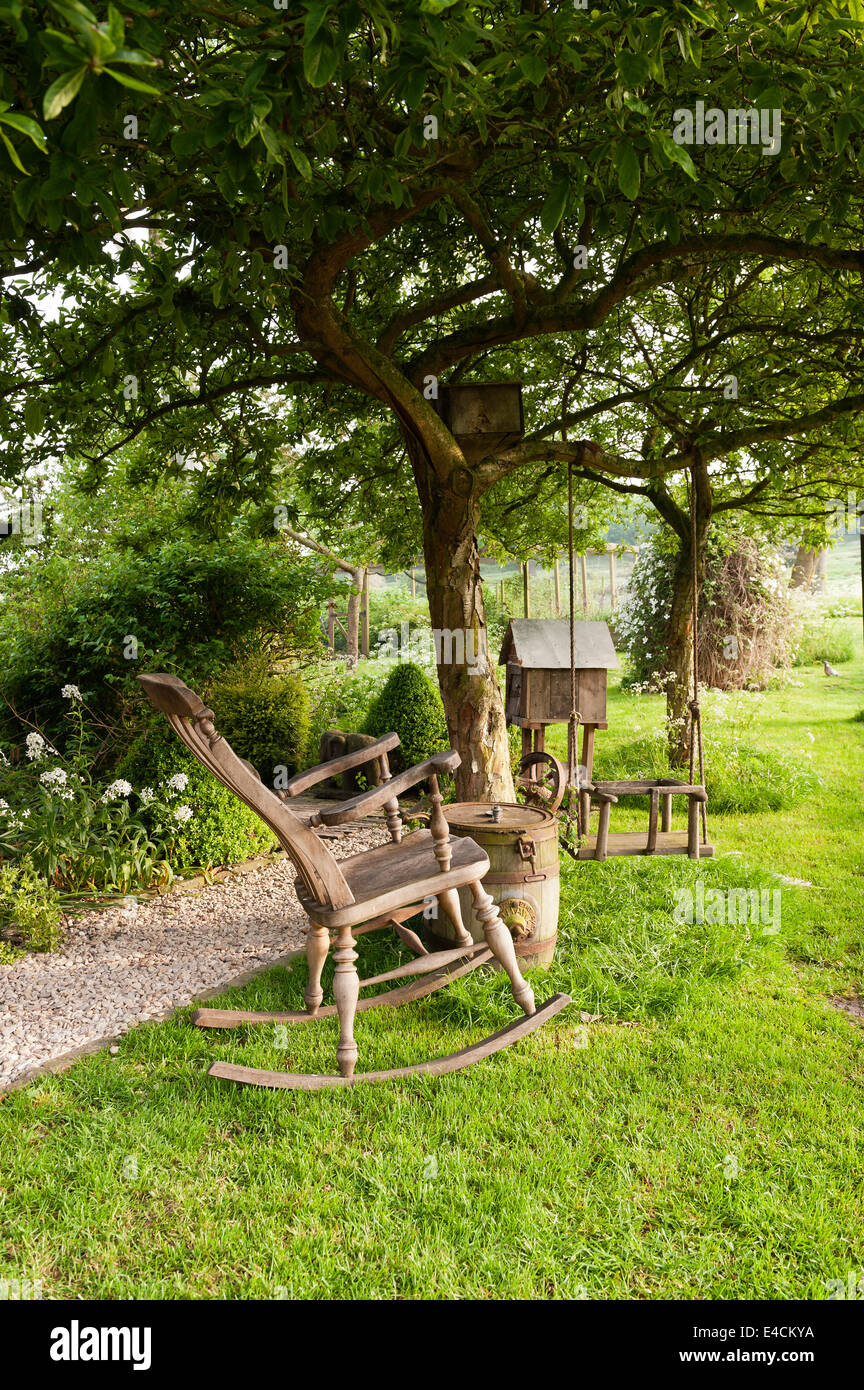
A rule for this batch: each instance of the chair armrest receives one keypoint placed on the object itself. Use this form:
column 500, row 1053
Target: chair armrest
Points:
column 361, row 805
column 321, row 771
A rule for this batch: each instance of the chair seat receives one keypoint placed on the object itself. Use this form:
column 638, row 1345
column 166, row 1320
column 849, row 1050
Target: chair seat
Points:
column 393, row 876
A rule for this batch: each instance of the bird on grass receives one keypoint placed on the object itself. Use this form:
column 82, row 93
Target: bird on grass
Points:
column 829, row 669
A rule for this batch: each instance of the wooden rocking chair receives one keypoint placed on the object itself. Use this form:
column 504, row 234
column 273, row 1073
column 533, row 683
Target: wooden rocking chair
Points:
column 378, row 888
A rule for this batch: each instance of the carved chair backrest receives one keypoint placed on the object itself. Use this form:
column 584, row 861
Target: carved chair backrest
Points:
column 192, row 721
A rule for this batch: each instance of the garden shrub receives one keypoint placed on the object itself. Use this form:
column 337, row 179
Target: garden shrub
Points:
column 411, row 706
column 222, row 830
column 265, row 716
column 192, row 606
column 744, row 612
column 30, row 914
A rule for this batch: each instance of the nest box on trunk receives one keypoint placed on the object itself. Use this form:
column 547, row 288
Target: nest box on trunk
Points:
column 483, row 417
column 536, row 652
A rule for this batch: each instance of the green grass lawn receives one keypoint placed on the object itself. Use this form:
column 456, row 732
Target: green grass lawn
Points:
column 701, row 1140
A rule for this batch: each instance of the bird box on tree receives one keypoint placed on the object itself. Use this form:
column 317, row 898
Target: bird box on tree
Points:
column 483, row 416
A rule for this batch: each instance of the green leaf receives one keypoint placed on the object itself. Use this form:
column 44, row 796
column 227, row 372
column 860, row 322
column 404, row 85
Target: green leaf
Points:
column 271, row 140
column 123, row 186
column 126, row 81
column 555, row 202
column 108, row 208
column 670, row 226
column 254, row 75
column 61, row 92
column 413, row 87
column 770, row 98
column 24, row 195
column 116, row 28
column 679, row 155
column 320, row 61
column 299, row 160
column 315, row 17
column 247, row 128
column 843, row 127
column 132, row 55
column 632, row 68
column 533, row 69
column 626, row 162
column 13, row 153
column 28, row 127
column 34, row 416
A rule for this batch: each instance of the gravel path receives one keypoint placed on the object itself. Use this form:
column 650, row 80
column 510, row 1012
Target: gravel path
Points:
column 120, row 967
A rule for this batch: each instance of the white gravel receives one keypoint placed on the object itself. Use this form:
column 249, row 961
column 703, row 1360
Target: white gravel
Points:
column 123, row 966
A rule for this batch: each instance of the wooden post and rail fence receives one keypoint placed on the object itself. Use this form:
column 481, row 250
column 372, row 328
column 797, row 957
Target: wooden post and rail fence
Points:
column 341, row 621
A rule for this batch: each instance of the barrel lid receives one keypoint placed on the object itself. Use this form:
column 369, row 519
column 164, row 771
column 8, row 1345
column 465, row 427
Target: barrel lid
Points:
column 474, row 815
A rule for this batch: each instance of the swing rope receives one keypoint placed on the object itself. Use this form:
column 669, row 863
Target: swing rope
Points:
column 693, row 705
column 573, row 779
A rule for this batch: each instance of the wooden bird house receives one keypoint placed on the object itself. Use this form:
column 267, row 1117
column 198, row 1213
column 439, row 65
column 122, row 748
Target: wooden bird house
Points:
column 483, row 416
column 536, row 652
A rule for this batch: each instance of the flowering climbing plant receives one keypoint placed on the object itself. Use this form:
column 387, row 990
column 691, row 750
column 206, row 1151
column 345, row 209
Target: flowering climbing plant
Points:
column 78, row 835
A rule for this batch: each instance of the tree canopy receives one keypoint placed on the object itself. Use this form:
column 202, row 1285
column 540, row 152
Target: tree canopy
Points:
column 349, row 204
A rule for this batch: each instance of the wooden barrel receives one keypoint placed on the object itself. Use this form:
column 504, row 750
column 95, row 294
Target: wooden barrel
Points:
column 523, row 876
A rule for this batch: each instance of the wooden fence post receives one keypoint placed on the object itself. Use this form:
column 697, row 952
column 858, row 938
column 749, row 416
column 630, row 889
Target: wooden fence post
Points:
column 526, row 588
column 557, row 589
column 612, row 579
column 583, row 566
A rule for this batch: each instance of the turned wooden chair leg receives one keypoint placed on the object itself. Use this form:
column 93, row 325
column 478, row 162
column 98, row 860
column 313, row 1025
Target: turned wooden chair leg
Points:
column 500, row 943
column 317, row 948
column 346, row 991
column 448, row 901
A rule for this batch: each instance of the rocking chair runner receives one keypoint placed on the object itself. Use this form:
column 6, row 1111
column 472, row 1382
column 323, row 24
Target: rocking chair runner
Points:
column 381, row 887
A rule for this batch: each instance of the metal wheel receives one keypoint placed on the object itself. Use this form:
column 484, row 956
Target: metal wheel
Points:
column 542, row 780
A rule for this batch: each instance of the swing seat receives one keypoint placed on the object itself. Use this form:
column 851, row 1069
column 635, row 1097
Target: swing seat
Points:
column 659, row 840
column 377, row 889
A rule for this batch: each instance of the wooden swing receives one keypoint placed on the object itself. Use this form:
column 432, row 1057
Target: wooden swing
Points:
column 544, row 780
column 379, row 888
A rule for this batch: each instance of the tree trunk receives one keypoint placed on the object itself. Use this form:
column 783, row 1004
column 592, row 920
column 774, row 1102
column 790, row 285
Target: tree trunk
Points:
column 467, row 673
column 680, row 661
column 352, row 622
column 804, row 568
column 680, row 630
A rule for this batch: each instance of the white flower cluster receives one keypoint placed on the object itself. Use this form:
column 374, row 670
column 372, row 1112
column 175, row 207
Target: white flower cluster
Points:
column 178, row 783
column 38, row 747
column 53, row 775
column 183, row 813
column 57, row 777
column 147, row 795
column 117, row 790
column 70, row 692
column 13, row 822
